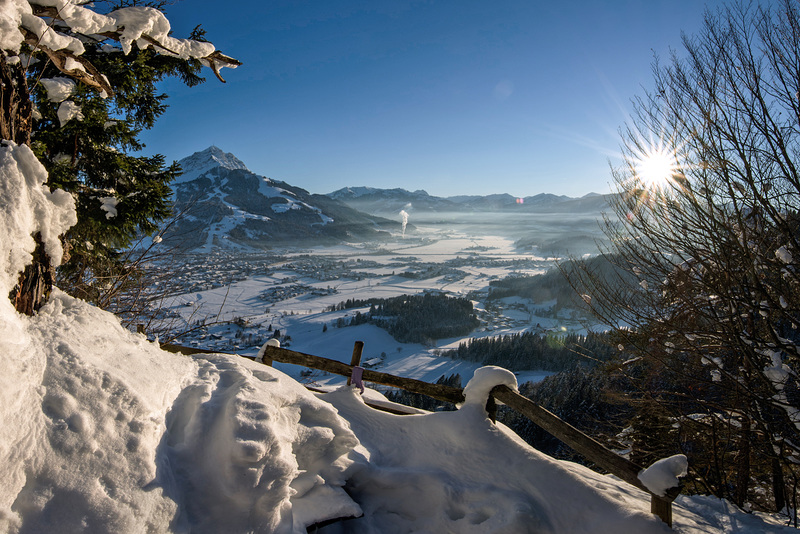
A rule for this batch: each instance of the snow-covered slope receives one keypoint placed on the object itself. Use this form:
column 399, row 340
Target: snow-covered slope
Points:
column 223, row 204
column 118, row 436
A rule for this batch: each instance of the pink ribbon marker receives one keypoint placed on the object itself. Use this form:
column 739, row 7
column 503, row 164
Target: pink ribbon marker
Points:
column 358, row 372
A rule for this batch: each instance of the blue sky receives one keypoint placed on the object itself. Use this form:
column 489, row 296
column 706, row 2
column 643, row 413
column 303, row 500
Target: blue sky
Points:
column 452, row 96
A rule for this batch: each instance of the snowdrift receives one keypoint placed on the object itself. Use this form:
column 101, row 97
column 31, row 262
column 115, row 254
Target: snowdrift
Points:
column 114, row 435
column 110, row 434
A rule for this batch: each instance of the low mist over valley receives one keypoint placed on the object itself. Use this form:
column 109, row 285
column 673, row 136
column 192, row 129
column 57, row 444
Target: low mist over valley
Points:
column 224, row 206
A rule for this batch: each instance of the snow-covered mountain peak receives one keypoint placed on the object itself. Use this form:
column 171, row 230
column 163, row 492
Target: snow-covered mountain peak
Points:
column 224, row 204
column 201, row 162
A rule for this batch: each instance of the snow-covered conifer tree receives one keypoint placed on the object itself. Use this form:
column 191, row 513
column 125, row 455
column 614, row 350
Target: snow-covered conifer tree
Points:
column 102, row 95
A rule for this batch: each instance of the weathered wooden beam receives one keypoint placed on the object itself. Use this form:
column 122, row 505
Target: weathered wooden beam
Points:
column 436, row 391
column 169, row 347
column 577, row 440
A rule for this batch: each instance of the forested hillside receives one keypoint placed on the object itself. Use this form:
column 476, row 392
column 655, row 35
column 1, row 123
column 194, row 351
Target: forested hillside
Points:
column 530, row 350
column 556, row 285
column 591, row 399
column 415, row 318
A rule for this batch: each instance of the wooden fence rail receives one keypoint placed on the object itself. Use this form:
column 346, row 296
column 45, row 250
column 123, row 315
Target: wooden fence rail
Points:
column 437, row 391
column 568, row 434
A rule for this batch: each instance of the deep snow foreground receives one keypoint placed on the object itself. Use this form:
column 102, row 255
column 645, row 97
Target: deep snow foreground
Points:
column 101, row 431
column 104, row 432
column 110, row 434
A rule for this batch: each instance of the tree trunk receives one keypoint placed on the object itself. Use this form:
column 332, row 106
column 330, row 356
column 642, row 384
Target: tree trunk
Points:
column 35, row 282
column 16, row 124
column 778, row 485
column 15, row 117
column 743, row 465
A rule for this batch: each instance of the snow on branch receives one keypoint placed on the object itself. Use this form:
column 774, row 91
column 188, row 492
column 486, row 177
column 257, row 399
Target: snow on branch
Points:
column 70, row 64
column 145, row 27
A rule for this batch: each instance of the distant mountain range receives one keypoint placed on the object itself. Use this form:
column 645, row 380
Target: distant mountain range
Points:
column 224, row 204
column 388, row 202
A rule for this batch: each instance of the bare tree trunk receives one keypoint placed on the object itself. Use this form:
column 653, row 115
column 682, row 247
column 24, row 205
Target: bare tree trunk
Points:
column 16, row 124
column 743, row 465
column 35, row 282
column 778, row 485
column 15, row 117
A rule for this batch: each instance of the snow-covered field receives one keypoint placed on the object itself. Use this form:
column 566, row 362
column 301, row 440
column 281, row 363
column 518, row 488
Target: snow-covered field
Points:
column 462, row 265
column 101, row 431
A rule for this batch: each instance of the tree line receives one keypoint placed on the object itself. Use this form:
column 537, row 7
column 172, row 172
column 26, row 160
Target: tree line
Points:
column 531, row 350
column 415, row 318
column 558, row 285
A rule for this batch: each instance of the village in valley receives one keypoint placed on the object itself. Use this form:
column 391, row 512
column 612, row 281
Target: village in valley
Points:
column 235, row 301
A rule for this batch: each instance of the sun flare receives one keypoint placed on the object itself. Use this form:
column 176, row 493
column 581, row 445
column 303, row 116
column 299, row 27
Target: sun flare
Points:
column 656, row 168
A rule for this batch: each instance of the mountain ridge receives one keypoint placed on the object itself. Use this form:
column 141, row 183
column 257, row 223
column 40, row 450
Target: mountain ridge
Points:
column 224, row 204
column 390, row 201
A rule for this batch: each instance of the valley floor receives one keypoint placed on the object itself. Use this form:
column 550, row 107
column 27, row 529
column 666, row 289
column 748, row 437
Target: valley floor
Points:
column 292, row 291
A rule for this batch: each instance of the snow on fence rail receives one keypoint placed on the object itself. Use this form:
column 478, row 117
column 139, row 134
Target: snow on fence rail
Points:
column 589, row 448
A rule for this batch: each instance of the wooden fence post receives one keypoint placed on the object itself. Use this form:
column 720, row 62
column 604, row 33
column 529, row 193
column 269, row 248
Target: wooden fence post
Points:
column 358, row 347
column 491, row 408
column 661, row 508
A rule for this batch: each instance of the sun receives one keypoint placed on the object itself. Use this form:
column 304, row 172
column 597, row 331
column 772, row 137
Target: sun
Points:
column 655, row 168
